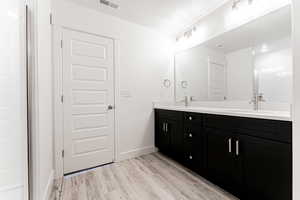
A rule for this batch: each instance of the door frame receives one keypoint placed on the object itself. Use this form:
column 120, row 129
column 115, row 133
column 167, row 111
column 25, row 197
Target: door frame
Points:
column 57, row 38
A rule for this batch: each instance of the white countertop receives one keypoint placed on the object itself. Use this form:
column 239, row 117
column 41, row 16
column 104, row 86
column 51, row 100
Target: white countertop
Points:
column 260, row 114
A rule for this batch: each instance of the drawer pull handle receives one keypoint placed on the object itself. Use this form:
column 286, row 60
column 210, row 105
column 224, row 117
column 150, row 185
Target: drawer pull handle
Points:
column 167, row 127
column 229, row 145
column 237, row 147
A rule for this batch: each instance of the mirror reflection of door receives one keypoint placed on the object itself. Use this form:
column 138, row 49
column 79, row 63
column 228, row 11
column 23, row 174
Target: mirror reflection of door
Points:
column 217, row 82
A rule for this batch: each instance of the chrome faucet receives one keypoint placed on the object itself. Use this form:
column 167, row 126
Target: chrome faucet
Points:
column 186, row 101
column 257, row 98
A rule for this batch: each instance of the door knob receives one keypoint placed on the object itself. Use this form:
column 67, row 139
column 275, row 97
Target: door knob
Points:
column 110, row 107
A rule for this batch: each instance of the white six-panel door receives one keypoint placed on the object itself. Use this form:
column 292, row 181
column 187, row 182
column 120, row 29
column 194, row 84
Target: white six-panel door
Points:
column 217, row 81
column 88, row 92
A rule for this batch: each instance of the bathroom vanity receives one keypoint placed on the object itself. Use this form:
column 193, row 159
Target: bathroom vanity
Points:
column 247, row 154
column 235, row 128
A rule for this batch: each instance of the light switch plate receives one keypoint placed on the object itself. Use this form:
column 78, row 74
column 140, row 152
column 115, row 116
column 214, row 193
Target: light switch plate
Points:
column 125, row 93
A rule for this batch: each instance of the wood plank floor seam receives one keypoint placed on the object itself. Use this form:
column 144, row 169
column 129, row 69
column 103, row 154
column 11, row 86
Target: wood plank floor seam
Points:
column 149, row 177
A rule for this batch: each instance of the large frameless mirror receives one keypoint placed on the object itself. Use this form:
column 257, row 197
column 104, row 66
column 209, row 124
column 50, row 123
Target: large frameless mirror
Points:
column 254, row 60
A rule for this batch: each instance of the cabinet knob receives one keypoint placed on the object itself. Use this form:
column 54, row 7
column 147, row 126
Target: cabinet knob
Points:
column 190, row 135
column 190, row 118
column 191, row 157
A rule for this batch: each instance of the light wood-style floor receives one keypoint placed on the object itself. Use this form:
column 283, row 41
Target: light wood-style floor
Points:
column 149, row 177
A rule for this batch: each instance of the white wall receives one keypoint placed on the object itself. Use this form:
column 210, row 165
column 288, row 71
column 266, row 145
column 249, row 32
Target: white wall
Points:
column 13, row 115
column 144, row 61
column 43, row 135
column 240, row 75
column 296, row 103
column 192, row 66
column 273, row 68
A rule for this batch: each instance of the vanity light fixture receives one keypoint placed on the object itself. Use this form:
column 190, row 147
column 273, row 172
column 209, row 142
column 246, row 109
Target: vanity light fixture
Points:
column 109, row 4
column 264, row 48
column 189, row 33
column 236, row 3
column 220, row 46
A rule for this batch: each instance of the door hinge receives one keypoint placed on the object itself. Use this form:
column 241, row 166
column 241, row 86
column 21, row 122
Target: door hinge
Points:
column 62, row 98
column 51, row 19
column 63, row 153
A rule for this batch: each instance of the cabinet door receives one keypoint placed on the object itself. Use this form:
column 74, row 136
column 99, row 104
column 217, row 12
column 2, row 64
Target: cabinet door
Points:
column 174, row 131
column 162, row 139
column 222, row 164
column 267, row 169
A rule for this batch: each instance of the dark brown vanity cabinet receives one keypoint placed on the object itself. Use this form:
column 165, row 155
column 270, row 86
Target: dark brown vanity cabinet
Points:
column 250, row 158
column 169, row 136
column 193, row 142
column 267, row 168
column 223, row 166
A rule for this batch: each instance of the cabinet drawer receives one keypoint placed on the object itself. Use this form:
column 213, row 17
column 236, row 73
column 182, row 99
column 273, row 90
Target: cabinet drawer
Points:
column 193, row 118
column 192, row 134
column 169, row 114
column 189, row 160
column 269, row 129
column 189, row 135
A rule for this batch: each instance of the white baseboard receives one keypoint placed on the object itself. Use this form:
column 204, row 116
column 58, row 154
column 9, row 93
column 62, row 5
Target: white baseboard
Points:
column 135, row 153
column 49, row 187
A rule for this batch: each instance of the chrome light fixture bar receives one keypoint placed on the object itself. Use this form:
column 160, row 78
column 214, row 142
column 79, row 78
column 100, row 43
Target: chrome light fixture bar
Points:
column 109, row 4
column 236, row 3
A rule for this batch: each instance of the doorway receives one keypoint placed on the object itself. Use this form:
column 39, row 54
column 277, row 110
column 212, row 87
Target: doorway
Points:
column 88, row 100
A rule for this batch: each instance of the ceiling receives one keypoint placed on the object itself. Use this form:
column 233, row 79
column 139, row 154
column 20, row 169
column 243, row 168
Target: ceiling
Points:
column 167, row 16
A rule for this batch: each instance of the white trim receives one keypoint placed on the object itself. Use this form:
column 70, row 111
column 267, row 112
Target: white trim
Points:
column 25, row 112
column 296, row 98
column 34, row 102
column 117, row 94
column 174, row 78
column 49, row 187
column 136, row 153
column 58, row 106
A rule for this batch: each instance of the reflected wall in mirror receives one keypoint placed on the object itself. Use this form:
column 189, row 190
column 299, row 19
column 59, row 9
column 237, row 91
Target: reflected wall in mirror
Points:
column 198, row 70
column 254, row 59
